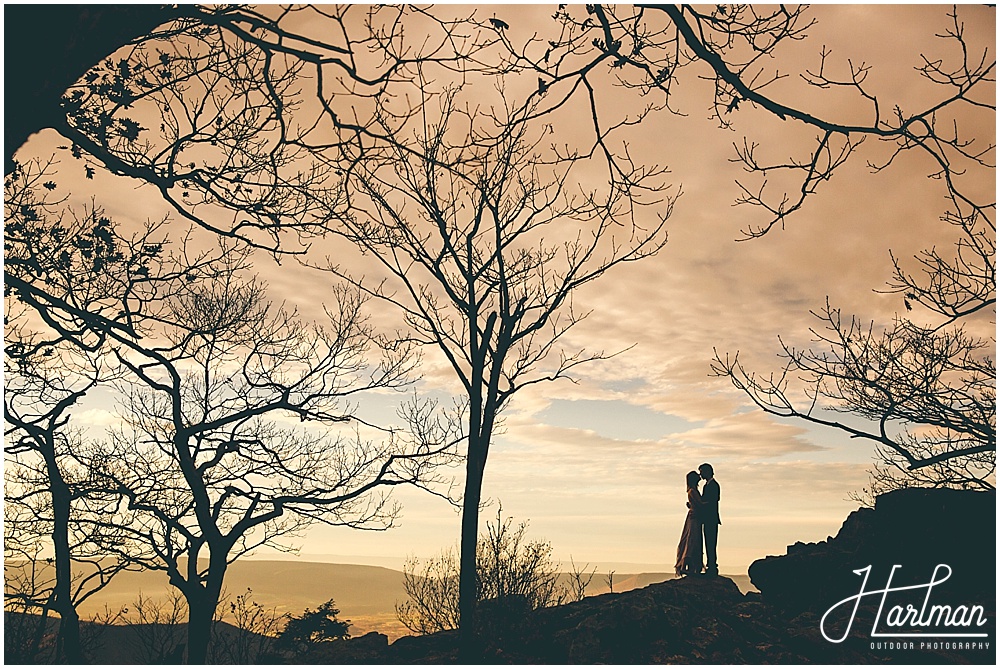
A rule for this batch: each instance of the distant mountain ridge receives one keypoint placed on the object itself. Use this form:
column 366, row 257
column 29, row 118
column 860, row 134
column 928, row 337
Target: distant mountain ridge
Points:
column 396, row 562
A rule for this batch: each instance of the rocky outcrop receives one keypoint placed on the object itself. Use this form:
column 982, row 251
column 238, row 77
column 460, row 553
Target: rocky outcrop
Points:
column 681, row 621
column 914, row 528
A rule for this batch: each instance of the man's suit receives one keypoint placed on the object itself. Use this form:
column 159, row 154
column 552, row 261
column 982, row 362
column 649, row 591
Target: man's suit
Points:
column 710, row 522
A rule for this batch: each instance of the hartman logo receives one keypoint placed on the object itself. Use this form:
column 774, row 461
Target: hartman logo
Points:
column 913, row 612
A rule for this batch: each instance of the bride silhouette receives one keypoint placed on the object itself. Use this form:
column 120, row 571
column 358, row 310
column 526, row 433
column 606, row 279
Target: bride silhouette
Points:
column 689, row 550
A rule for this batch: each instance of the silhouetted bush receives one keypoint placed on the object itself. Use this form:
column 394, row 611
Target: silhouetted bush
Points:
column 303, row 632
column 514, row 575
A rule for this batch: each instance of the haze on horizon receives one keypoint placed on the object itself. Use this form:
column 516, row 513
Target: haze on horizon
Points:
column 598, row 467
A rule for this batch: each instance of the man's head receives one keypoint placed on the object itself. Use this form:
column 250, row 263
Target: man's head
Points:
column 706, row 471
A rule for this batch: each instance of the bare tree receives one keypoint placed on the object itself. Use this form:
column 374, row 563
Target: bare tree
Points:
column 876, row 375
column 61, row 514
column 50, row 364
column 35, row 407
column 927, row 392
column 431, row 587
column 645, row 49
column 926, row 388
column 928, row 395
column 483, row 237
column 203, row 362
column 579, row 580
column 212, row 474
column 154, row 628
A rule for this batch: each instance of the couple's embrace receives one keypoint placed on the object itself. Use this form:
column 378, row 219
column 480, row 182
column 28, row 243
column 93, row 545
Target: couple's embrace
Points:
column 702, row 521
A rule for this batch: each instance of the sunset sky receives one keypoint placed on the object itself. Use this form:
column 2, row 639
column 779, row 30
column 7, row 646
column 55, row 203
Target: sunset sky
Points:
column 598, row 466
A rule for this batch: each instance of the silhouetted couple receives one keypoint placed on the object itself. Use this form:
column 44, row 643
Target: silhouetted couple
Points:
column 702, row 520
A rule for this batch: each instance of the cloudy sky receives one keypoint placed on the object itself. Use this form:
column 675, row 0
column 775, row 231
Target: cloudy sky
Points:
column 598, row 466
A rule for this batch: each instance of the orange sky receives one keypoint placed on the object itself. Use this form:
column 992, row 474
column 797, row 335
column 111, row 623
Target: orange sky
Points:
column 598, row 467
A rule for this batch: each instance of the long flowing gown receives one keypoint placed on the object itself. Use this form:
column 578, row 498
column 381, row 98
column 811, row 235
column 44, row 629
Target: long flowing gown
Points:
column 689, row 551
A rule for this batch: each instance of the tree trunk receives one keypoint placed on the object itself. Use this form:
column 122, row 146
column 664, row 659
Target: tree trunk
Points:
column 201, row 608
column 68, row 641
column 480, row 423
column 69, row 636
column 468, row 595
column 201, row 613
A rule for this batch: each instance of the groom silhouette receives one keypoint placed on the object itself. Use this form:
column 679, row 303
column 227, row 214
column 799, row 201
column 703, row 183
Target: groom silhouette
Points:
column 710, row 518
